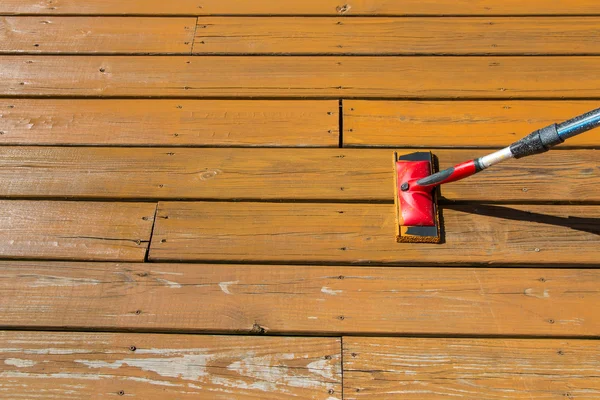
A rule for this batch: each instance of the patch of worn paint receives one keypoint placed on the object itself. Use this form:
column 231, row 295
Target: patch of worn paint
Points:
column 313, row 317
column 325, row 368
column 60, row 375
column 270, row 387
column 59, row 281
column 171, row 284
column 151, row 381
column 225, row 286
column 167, row 273
column 532, row 293
column 189, row 366
column 329, row 291
column 19, row 363
column 575, row 321
column 269, row 370
column 51, row 351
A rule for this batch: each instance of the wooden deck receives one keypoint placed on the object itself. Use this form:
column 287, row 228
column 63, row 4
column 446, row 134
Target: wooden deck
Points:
column 197, row 200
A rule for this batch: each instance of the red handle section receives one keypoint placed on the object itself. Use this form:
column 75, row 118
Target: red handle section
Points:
column 455, row 173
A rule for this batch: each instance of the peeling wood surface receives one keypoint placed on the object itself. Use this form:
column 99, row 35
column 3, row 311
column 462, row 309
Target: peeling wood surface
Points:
column 318, row 300
column 300, row 35
column 81, row 35
column 306, row 7
column 383, row 368
column 270, row 174
column 75, row 230
column 361, row 233
column 457, row 124
column 169, row 122
column 99, row 365
column 318, row 77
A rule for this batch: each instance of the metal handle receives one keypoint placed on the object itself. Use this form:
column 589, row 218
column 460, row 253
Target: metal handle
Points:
column 537, row 142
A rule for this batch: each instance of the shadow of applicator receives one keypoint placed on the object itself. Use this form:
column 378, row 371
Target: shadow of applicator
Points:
column 589, row 225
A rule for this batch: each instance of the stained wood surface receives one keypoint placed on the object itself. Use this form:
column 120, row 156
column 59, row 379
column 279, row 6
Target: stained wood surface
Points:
column 318, row 300
column 382, row 368
column 36, row 35
column 269, row 174
column 307, row 7
column 169, row 122
column 457, row 124
column 100, row 365
column 75, row 230
column 301, row 35
column 364, row 233
column 271, row 76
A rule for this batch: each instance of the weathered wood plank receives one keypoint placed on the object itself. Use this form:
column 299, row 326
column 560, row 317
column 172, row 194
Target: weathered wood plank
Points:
column 169, row 122
column 364, row 233
column 384, row 368
column 239, row 76
column 456, row 124
column 75, row 230
column 103, row 365
column 300, row 299
column 306, row 7
column 270, row 174
column 81, row 35
column 299, row 35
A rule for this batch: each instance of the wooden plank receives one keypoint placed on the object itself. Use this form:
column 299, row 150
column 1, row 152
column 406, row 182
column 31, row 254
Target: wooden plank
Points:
column 364, row 233
column 105, row 365
column 169, row 122
column 299, row 35
column 307, row 7
column 274, row 174
column 409, row 368
column 75, row 231
column 84, row 35
column 285, row 299
column 239, row 76
column 456, row 124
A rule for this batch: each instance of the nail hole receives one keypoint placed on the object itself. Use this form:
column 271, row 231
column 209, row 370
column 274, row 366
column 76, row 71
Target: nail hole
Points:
column 132, row 348
column 138, row 312
column 121, row 393
column 550, row 321
column 102, row 69
column 163, row 240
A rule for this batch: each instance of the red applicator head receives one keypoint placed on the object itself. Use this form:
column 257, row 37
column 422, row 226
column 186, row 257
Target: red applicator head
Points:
column 417, row 211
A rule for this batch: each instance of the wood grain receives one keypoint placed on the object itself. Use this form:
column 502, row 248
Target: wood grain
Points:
column 75, row 231
column 300, row 35
column 307, row 7
column 169, row 122
column 84, row 35
column 103, row 365
column 238, row 76
column 382, row 368
column 274, row 174
column 284, row 299
column 364, row 233
column 457, row 124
